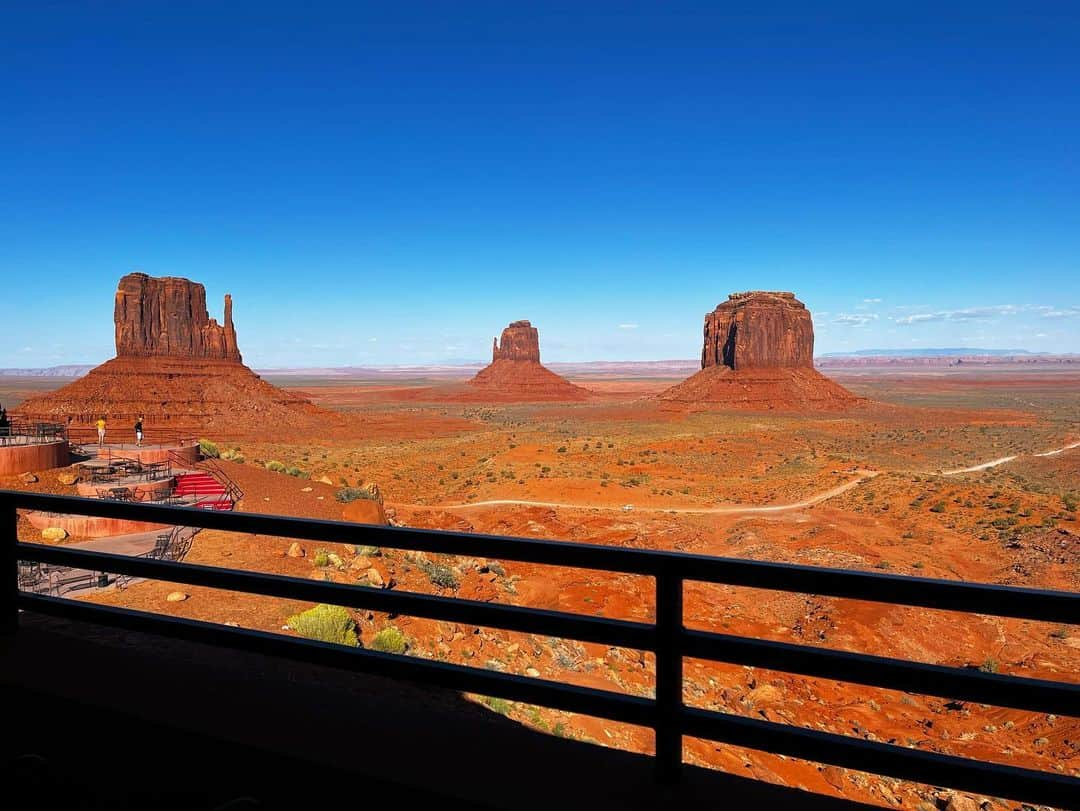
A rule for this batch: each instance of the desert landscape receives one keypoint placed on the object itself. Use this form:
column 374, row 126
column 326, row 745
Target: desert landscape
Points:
column 966, row 471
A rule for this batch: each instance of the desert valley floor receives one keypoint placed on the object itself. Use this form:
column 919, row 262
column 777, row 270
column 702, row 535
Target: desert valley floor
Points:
column 943, row 472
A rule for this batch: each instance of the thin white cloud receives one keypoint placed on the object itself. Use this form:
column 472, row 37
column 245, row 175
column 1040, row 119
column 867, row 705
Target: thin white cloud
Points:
column 628, row 326
column 855, row 319
column 1063, row 312
column 871, row 301
column 965, row 314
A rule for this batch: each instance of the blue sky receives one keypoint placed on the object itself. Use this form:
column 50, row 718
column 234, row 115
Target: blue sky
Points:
column 392, row 183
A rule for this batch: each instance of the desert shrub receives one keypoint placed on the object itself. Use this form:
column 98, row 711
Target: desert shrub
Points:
column 499, row 705
column 347, row 494
column 321, row 558
column 562, row 449
column 326, row 623
column 275, row 466
column 233, row 455
column 441, row 576
column 1071, row 501
column 989, row 666
column 937, row 507
column 389, row 640
column 208, row 448
column 368, row 551
column 293, row 471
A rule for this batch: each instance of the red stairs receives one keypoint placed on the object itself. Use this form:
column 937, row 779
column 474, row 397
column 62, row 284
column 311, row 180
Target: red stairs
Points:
column 208, row 492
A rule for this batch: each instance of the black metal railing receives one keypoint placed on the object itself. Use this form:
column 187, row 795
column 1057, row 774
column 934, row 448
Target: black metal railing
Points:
column 21, row 432
column 667, row 637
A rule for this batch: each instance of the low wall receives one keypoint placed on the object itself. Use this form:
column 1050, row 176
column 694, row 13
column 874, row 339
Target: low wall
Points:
column 86, row 526
column 25, row 458
column 150, row 454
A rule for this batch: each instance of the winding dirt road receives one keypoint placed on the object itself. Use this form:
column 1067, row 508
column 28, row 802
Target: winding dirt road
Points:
column 730, row 509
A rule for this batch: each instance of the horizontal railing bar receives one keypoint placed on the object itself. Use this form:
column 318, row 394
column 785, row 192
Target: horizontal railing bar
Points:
column 585, row 700
column 924, row 592
column 567, row 625
column 980, row 777
column 895, row 674
column 1004, row 601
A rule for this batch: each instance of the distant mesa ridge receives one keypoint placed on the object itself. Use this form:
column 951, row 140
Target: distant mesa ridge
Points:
column 758, row 353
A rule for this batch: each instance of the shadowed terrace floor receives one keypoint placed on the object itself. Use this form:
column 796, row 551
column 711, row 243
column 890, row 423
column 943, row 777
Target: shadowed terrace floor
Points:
column 130, row 720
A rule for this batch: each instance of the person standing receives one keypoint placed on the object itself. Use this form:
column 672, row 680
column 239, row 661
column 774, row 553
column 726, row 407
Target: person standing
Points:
column 101, row 431
column 138, row 432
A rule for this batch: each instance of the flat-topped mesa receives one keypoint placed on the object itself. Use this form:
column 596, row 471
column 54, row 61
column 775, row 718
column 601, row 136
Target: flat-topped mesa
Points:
column 759, row 330
column 519, row 341
column 167, row 317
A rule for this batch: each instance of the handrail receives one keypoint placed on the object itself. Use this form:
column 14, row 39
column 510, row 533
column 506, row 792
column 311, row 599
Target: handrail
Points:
column 667, row 637
column 209, row 465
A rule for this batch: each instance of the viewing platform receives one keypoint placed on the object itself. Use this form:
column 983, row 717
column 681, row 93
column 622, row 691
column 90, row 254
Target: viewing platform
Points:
column 32, row 446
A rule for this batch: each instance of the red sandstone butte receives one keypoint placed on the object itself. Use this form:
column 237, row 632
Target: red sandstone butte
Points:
column 174, row 364
column 516, row 374
column 167, row 317
column 758, row 353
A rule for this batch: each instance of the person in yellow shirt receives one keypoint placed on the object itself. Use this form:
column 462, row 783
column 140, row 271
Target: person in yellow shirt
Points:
column 101, row 432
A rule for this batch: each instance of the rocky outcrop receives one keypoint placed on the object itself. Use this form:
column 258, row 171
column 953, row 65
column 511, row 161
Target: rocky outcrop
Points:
column 758, row 354
column 516, row 374
column 174, row 366
column 167, row 317
column 759, row 330
column 520, row 341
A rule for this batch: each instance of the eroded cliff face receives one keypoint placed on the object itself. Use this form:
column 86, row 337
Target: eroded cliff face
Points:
column 758, row 354
column 167, row 317
column 759, row 330
column 520, row 341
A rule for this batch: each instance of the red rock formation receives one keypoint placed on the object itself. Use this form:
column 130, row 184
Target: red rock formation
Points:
column 758, row 354
column 759, row 330
column 175, row 365
column 515, row 373
column 167, row 317
column 520, row 341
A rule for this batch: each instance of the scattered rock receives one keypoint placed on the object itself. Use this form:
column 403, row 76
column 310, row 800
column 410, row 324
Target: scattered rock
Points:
column 53, row 534
column 532, row 672
column 28, row 478
column 68, row 479
column 176, row 597
column 306, row 489
column 325, row 480
column 296, row 551
column 961, row 802
column 374, row 578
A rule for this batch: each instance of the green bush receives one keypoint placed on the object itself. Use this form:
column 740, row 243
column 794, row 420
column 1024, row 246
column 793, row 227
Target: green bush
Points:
column 347, row 494
column 321, row 558
column 233, row 455
column 208, row 448
column 326, row 623
column 293, row 471
column 275, row 466
column 389, row 640
column 440, row 575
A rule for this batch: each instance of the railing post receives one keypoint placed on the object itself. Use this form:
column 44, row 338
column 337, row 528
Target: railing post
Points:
column 669, row 676
column 9, row 568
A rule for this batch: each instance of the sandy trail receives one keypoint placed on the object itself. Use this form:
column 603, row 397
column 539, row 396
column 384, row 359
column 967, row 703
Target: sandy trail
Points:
column 730, row 509
column 1004, row 459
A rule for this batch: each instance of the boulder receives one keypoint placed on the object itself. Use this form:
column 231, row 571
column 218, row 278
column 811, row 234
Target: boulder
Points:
column 364, row 511
column 54, row 534
column 176, row 597
column 28, row 478
column 296, row 550
column 68, row 479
